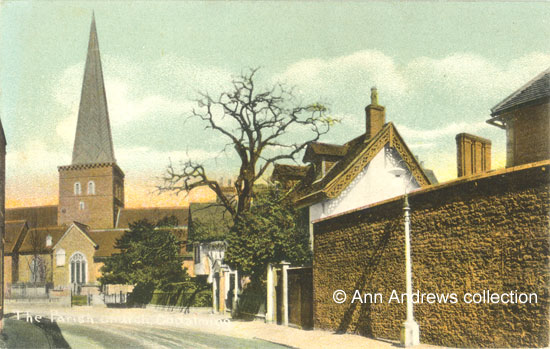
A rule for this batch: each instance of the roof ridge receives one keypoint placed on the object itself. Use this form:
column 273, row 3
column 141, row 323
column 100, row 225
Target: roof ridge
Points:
column 13, row 221
column 22, row 207
column 520, row 90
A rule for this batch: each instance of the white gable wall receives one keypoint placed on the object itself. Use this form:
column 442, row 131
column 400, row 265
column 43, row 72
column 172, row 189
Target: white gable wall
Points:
column 375, row 183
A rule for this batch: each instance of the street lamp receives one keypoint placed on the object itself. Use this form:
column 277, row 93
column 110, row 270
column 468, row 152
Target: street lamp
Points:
column 410, row 332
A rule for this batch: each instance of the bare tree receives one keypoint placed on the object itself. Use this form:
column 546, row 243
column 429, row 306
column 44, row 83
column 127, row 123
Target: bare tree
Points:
column 36, row 264
column 261, row 125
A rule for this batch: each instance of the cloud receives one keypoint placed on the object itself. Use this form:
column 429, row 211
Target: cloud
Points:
column 471, row 78
column 358, row 71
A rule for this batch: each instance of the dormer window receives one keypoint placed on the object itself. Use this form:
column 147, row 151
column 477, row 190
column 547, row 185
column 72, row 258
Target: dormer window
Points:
column 77, row 189
column 81, row 205
column 48, row 240
column 91, row 188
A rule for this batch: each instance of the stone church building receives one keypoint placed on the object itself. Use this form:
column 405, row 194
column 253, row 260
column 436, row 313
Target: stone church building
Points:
column 63, row 247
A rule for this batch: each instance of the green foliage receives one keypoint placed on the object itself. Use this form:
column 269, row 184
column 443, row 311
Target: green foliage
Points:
column 252, row 300
column 79, row 300
column 268, row 233
column 195, row 293
column 149, row 259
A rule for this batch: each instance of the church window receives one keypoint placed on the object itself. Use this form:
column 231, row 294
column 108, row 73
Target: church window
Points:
column 38, row 270
column 77, row 189
column 91, row 188
column 81, row 205
column 60, row 257
column 78, row 268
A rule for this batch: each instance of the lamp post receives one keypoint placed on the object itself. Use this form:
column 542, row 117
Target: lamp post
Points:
column 410, row 332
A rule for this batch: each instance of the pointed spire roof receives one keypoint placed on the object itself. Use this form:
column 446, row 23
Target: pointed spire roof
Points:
column 93, row 142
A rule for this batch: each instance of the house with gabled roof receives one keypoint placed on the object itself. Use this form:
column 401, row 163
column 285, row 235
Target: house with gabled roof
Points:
column 525, row 115
column 362, row 171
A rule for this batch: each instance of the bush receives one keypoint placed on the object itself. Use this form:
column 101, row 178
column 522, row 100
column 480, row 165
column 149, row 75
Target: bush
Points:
column 252, row 300
column 79, row 300
column 201, row 298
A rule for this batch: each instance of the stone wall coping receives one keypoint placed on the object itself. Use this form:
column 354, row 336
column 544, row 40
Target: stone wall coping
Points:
column 448, row 184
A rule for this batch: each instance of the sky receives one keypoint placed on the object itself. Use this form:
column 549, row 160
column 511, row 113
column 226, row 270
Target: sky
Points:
column 439, row 68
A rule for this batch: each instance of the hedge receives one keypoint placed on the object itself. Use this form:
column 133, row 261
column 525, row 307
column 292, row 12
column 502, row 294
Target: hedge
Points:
column 183, row 299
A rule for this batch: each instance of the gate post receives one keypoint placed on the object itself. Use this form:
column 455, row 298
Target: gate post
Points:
column 284, row 273
column 214, row 296
column 235, row 294
column 270, row 293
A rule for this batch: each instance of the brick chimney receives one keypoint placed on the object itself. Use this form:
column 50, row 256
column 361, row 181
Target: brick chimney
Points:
column 473, row 154
column 375, row 115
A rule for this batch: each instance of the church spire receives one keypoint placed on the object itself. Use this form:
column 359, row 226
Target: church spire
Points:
column 93, row 142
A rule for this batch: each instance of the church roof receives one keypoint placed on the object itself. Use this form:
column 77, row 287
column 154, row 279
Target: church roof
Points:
column 2, row 135
column 93, row 142
column 534, row 92
column 37, row 216
column 152, row 214
column 106, row 241
column 14, row 231
column 359, row 152
column 35, row 239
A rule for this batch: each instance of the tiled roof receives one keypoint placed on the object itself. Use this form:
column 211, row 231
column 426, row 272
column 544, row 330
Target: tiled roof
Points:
column 93, row 142
column 208, row 221
column 106, row 240
column 13, row 232
column 2, row 135
column 36, row 217
column 35, row 239
column 282, row 171
column 154, row 214
column 431, row 175
column 317, row 149
column 534, row 91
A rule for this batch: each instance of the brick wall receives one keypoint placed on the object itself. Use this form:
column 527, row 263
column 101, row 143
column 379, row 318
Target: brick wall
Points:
column 484, row 232
column 100, row 208
column 72, row 243
column 527, row 134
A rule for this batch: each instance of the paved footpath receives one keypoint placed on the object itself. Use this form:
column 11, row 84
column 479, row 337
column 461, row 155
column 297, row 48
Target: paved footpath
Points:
column 126, row 320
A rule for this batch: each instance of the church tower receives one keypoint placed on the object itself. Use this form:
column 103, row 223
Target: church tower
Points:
column 91, row 188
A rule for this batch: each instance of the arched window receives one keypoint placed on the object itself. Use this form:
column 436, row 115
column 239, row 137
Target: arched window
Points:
column 60, row 257
column 91, row 188
column 38, row 270
column 77, row 189
column 81, row 205
column 78, row 268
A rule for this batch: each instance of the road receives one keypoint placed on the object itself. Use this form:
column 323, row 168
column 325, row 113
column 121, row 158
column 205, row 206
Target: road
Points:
column 88, row 327
column 131, row 336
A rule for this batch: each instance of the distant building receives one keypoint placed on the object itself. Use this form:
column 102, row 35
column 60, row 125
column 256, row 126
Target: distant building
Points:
column 208, row 226
column 525, row 115
column 64, row 246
